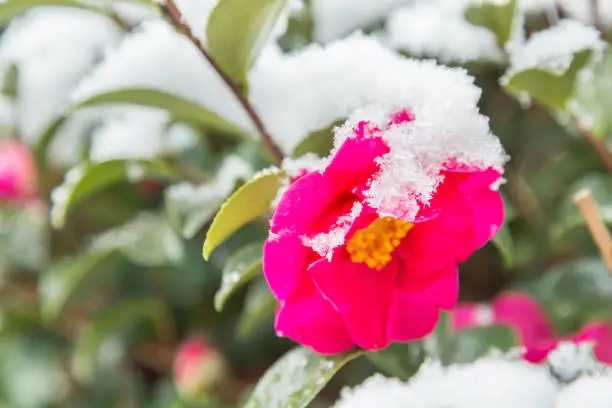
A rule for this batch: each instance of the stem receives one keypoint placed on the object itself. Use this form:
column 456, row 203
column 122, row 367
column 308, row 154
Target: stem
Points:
column 588, row 207
column 175, row 16
column 600, row 148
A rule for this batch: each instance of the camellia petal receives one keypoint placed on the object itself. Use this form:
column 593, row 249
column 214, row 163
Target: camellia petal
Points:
column 282, row 272
column 361, row 294
column 311, row 320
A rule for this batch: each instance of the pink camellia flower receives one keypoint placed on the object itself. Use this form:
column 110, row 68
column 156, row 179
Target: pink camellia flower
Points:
column 346, row 273
column 522, row 313
column 197, row 367
column 17, row 172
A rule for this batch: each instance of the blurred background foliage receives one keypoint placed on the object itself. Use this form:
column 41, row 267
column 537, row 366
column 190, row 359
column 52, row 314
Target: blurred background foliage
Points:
column 99, row 286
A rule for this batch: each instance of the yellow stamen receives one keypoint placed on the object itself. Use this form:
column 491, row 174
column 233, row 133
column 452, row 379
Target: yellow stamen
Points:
column 374, row 244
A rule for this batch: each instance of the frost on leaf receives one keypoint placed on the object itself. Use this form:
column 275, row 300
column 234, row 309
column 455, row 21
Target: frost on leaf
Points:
column 547, row 65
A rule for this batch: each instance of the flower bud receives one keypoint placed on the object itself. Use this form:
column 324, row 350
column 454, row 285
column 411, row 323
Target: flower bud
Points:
column 17, row 172
column 198, row 367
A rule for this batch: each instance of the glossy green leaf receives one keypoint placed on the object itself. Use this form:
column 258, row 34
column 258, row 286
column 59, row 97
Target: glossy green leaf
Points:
column 247, row 203
column 179, row 107
column 13, row 8
column 243, row 266
column 401, row 360
column 470, row 344
column 147, row 240
column 86, row 179
column 46, row 138
column 497, row 17
column 593, row 98
column 505, row 245
column 319, row 142
column 190, row 207
column 296, row 379
column 550, row 88
column 10, row 87
column 259, row 306
column 88, row 346
column 59, row 283
column 237, row 31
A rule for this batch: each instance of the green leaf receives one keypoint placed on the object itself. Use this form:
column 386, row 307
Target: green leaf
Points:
column 439, row 343
column 593, row 98
column 147, row 240
column 58, row 284
column 401, row 360
column 319, row 142
column 470, row 344
column 237, row 31
column 243, row 266
column 13, row 8
column 247, row 203
column 569, row 218
column 550, row 88
column 259, row 305
column 296, row 379
column 86, row 179
column 10, row 87
column 87, row 349
column 505, row 245
column 190, row 207
column 177, row 106
column 46, row 138
column 575, row 293
column 498, row 18
column 24, row 236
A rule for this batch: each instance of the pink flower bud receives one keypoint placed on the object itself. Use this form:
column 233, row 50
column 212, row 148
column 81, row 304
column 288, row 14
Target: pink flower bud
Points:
column 197, row 367
column 17, row 172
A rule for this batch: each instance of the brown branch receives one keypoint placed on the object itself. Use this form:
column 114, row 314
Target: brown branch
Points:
column 600, row 148
column 588, row 207
column 175, row 16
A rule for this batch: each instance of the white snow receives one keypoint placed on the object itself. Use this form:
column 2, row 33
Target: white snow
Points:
column 439, row 29
column 53, row 49
column 500, row 381
column 336, row 18
column 553, row 49
column 139, row 133
column 309, row 90
column 156, row 57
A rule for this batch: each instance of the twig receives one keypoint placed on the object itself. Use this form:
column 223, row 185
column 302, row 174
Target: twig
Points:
column 174, row 14
column 600, row 148
column 588, row 207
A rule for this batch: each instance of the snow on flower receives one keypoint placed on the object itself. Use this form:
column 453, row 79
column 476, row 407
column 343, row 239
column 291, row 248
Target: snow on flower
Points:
column 499, row 381
column 364, row 251
column 17, row 172
column 536, row 334
column 311, row 89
